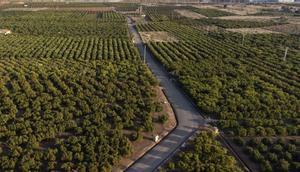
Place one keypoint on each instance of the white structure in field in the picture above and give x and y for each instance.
(156, 138)
(5, 31)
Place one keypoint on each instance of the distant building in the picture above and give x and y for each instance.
(272, 1)
(290, 9)
(286, 1)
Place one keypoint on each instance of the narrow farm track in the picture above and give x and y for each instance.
(187, 115)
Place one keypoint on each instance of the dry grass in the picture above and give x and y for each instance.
(242, 10)
(157, 37)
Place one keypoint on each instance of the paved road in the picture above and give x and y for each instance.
(187, 115)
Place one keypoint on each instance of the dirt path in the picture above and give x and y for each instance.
(253, 167)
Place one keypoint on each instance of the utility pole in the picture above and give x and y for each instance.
(243, 39)
(285, 54)
(145, 53)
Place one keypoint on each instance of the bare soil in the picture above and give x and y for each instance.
(141, 147)
(253, 31)
(288, 28)
(157, 37)
(190, 14)
(3, 2)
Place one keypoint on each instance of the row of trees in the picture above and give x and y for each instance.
(67, 94)
(88, 48)
(208, 12)
(179, 31)
(242, 88)
(272, 154)
(229, 23)
(105, 25)
(167, 13)
(249, 88)
(203, 153)
(162, 13)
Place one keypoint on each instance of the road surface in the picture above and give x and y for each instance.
(187, 115)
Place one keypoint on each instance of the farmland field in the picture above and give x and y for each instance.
(71, 82)
(213, 156)
(54, 111)
(76, 96)
(246, 85)
(103, 24)
(212, 12)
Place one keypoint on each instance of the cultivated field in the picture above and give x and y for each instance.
(75, 94)
(243, 83)
(190, 14)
